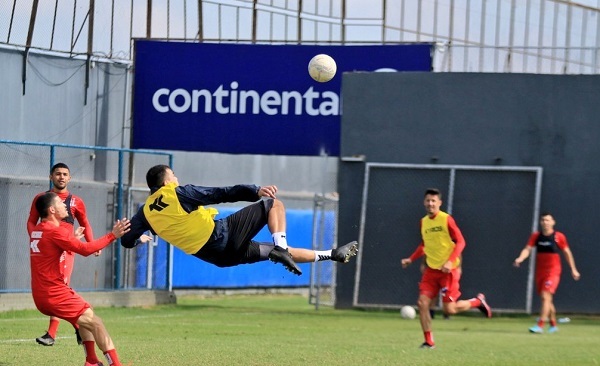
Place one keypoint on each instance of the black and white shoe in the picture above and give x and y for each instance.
(45, 340)
(345, 252)
(426, 345)
(283, 256)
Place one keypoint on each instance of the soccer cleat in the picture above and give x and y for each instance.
(345, 252)
(426, 345)
(93, 364)
(78, 337)
(283, 256)
(553, 329)
(484, 307)
(536, 329)
(45, 340)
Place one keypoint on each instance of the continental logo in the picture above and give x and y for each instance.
(434, 229)
(233, 100)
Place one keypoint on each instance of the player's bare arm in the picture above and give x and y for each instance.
(524, 255)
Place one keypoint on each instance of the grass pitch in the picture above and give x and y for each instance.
(286, 330)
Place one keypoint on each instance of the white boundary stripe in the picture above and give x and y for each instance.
(8, 341)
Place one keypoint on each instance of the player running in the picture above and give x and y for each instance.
(442, 244)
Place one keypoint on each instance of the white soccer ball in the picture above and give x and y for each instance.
(322, 68)
(408, 312)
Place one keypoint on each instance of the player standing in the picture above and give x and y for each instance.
(60, 176)
(442, 244)
(548, 268)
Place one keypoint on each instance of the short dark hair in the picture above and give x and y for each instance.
(546, 213)
(44, 202)
(59, 165)
(433, 192)
(155, 178)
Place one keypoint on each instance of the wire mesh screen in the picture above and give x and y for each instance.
(491, 205)
(24, 172)
(545, 36)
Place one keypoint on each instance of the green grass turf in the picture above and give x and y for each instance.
(286, 330)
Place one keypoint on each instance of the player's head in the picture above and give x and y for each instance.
(158, 176)
(50, 204)
(60, 175)
(433, 192)
(547, 221)
(432, 201)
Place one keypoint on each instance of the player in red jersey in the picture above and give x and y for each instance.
(547, 242)
(51, 295)
(442, 244)
(60, 176)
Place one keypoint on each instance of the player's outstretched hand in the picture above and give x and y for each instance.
(121, 227)
(146, 238)
(406, 262)
(267, 191)
(79, 232)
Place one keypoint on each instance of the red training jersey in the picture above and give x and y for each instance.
(47, 244)
(547, 249)
(452, 230)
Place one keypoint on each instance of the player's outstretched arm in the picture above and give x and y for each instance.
(66, 239)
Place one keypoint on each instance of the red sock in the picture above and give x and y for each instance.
(541, 323)
(475, 302)
(553, 322)
(53, 327)
(90, 351)
(428, 338)
(112, 357)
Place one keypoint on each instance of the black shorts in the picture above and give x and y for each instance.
(231, 241)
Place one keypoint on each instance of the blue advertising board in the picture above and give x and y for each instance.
(249, 99)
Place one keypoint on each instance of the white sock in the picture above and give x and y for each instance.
(322, 255)
(280, 240)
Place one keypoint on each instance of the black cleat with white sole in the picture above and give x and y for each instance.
(283, 256)
(345, 252)
(45, 340)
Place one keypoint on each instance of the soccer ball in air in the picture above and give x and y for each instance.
(408, 312)
(322, 68)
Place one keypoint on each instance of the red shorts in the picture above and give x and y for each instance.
(433, 281)
(67, 260)
(547, 281)
(68, 306)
